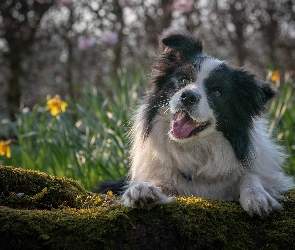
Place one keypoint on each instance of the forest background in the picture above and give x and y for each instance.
(95, 55)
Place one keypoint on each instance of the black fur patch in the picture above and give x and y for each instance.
(240, 98)
(173, 63)
(117, 187)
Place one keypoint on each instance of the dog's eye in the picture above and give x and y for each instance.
(185, 81)
(217, 93)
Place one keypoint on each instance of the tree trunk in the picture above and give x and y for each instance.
(14, 90)
(19, 36)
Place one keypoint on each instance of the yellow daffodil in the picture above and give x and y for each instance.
(55, 106)
(275, 76)
(5, 148)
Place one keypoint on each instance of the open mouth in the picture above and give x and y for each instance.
(184, 126)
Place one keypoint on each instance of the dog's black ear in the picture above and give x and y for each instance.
(267, 92)
(255, 93)
(264, 92)
(185, 44)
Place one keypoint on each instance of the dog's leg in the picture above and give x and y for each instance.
(144, 195)
(254, 198)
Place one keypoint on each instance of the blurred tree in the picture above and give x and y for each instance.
(70, 47)
(158, 16)
(66, 31)
(232, 22)
(261, 33)
(239, 20)
(20, 19)
(86, 41)
(276, 24)
(118, 12)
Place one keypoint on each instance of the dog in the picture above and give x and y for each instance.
(200, 130)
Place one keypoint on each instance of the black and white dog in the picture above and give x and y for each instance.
(199, 131)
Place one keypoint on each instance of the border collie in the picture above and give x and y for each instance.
(199, 131)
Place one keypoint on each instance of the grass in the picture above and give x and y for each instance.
(88, 142)
(282, 117)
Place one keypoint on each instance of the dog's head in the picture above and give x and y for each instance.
(203, 95)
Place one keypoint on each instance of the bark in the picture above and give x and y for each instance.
(239, 40)
(19, 34)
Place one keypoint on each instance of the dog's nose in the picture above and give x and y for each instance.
(189, 97)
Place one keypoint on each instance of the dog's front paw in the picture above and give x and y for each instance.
(144, 195)
(258, 202)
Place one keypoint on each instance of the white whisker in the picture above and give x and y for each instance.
(166, 111)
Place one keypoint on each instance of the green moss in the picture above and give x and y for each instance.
(188, 223)
(60, 191)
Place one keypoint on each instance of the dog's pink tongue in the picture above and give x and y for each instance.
(183, 125)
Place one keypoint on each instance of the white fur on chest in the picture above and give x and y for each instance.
(210, 162)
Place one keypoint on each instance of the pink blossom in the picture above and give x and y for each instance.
(126, 3)
(185, 6)
(67, 3)
(85, 42)
(109, 38)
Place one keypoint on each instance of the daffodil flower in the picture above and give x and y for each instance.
(55, 106)
(275, 76)
(5, 148)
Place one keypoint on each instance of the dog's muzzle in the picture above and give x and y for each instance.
(184, 125)
(189, 98)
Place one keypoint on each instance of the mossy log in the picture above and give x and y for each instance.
(39, 211)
